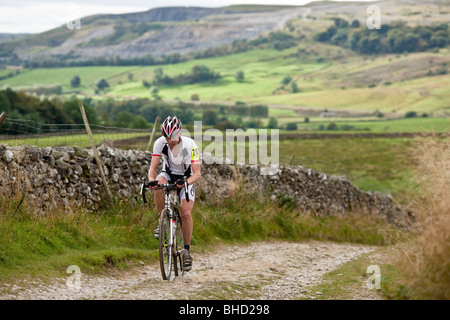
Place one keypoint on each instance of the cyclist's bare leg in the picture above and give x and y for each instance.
(159, 196)
(186, 209)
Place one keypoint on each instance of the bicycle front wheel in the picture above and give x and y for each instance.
(165, 245)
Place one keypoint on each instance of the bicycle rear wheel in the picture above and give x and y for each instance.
(165, 249)
(179, 245)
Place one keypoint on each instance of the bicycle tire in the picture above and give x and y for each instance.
(175, 245)
(179, 245)
(165, 250)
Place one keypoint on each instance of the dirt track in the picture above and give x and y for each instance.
(264, 270)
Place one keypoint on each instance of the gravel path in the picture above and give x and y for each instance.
(262, 270)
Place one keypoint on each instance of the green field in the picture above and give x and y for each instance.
(383, 165)
(372, 164)
(326, 84)
(371, 125)
(65, 139)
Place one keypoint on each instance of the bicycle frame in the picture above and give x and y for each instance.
(170, 249)
(171, 198)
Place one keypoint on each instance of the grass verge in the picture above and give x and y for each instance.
(356, 279)
(44, 246)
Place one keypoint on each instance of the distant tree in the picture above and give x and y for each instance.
(139, 122)
(286, 80)
(353, 39)
(355, 24)
(195, 97)
(411, 114)
(209, 117)
(154, 92)
(146, 84)
(340, 23)
(75, 81)
(392, 38)
(340, 38)
(259, 111)
(73, 111)
(101, 84)
(292, 126)
(149, 112)
(239, 76)
(294, 87)
(272, 124)
(124, 119)
(439, 40)
(186, 115)
(200, 73)
(254, 123)
(224, 124)
(332, 126)
(240, 108)
(322, 36)
(158, 76)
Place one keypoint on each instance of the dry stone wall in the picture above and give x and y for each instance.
(66, 177)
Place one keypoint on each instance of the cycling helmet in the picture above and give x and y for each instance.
(171, 126)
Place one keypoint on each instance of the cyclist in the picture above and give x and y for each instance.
(180, 158)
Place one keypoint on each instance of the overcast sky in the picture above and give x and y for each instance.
(26, 16)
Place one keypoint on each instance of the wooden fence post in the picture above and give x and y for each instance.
(291, 162)
(2, 117)
(150, 141)
(96, 156)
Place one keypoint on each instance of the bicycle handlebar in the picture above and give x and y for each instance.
(164, 186)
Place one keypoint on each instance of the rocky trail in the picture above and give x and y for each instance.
(261, 270)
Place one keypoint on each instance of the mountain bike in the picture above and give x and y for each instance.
(171, 240)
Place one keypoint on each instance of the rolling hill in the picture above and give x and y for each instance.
(160, 31)
(179, 30)
(328, 76)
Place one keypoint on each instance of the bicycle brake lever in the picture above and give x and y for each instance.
(144, 198)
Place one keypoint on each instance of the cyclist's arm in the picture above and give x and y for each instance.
(153, 166)
(196, 173)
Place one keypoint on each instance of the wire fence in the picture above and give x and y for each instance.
(16, 132)
(318, 165)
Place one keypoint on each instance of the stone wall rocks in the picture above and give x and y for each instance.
(64, 176)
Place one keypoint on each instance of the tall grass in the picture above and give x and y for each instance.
(425, 260)
(33, 244)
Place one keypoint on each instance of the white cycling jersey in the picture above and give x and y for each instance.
(177, 161)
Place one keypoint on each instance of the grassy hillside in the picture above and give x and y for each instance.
(323, 84)
(327, 76)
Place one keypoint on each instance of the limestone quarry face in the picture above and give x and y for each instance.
(186, 30)
(55, 177)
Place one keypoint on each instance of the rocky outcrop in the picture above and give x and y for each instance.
(184, 30)
(62, 176)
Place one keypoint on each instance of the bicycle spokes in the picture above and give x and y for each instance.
(165, 246)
